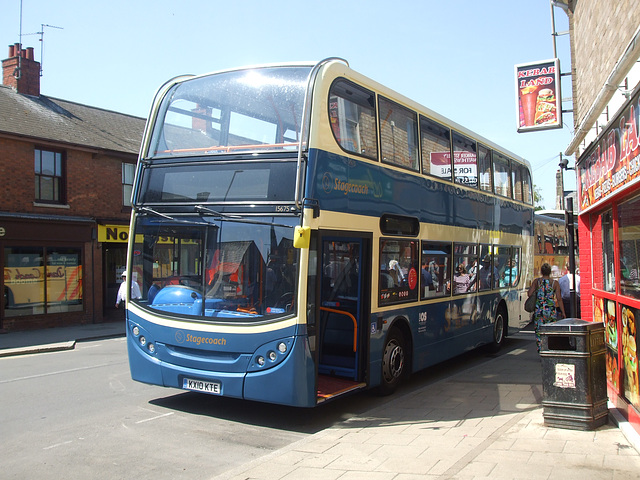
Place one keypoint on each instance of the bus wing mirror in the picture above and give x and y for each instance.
(302, 237)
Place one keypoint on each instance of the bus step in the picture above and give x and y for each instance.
(331, 387)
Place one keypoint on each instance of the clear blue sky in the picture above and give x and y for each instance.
(456, 57)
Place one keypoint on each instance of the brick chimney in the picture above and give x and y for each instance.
(20, 71)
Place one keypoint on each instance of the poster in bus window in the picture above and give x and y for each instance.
(538, 97)
(465, 166)
(629, 345)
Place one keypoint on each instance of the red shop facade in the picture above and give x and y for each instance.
(608, 174)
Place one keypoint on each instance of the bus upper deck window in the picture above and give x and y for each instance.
(353, 118)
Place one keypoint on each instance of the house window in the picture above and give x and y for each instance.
(49, 177)
(128, 171)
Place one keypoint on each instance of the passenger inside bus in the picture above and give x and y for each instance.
(461, 280)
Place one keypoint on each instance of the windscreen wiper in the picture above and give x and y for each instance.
(168, 217)
(236, 218)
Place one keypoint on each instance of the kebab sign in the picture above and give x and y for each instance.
(538, 102)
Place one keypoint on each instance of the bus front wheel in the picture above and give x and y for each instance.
(393, 362)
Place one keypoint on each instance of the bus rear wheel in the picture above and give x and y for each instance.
(394, 362)
(499, 326)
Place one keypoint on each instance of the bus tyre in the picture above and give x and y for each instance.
(499, 326)
(393, 362)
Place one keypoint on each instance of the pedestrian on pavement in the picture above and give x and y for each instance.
(135, 290)
(566, 282)
(548, 296)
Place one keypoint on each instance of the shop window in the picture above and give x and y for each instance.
(128, 172)
(41, 280)
(435, 140)
(629, 246)
(398, 135)
(435, 276)
(49, 177)
(353, 118)
(465, 161)
(596, 251)
(607, 252)
(398, 271)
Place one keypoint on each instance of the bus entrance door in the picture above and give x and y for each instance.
(340, 314)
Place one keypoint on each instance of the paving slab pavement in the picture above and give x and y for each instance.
(486, 422)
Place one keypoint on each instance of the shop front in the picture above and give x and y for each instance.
(113, 239)
(608, 175)
(46, 263)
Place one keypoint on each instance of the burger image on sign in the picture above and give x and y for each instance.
(545, 107)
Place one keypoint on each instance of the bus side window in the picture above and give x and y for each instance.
(399, 277)
(434, 271)
(487, 271)
(353, 119)
(465, 161)
(484, 169)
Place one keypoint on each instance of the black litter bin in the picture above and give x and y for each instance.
(574, 377)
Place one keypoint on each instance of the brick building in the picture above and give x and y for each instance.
(66, 172)
(605, 51)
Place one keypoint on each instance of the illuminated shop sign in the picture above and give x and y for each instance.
(613, 161)
(538, 96)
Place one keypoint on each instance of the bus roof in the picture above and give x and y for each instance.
(340, 67)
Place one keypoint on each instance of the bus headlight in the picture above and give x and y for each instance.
(270, 354)
(143, 339)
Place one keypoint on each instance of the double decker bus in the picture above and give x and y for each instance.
(300, 231)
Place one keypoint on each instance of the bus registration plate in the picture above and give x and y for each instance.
(200, 386)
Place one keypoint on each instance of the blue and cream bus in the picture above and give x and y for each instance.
(300, 231)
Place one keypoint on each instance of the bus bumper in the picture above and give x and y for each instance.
(290, 382)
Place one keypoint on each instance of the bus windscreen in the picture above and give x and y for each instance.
(243, 110)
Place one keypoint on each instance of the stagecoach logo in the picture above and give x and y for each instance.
(329, 184)
(181, 337)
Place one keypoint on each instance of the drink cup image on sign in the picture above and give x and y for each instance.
(528, 97)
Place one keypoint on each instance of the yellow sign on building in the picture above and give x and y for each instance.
(113, 233)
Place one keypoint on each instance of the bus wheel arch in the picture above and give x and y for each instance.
(396, 356)
(7, 297)
(500, 327)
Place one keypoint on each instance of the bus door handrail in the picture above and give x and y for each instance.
(306, 120)
(353, 319)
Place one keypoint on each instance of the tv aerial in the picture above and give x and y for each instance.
(41, 33)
